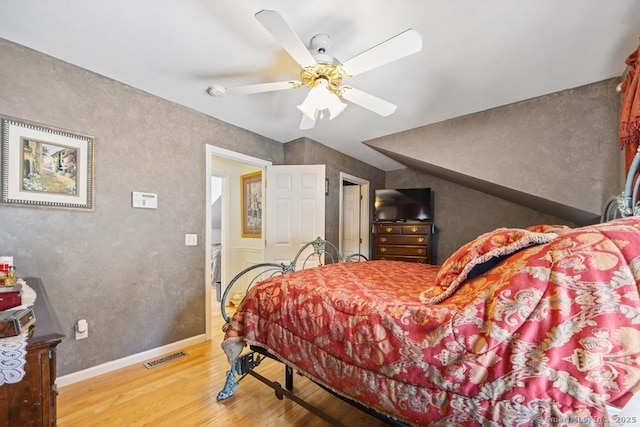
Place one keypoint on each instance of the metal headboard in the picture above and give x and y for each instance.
(324, 252)
(625, 204)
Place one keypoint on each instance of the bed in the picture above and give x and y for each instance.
(537, 326)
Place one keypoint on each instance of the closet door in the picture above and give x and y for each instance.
(351, 227)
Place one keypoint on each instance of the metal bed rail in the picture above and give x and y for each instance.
(323, 252)
(626, 203)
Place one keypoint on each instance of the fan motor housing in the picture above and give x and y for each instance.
(329, 71)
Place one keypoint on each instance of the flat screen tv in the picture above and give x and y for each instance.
(403, 204)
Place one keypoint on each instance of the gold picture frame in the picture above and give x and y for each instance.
(251, 188)
(42, 166)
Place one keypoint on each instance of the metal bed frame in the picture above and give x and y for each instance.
(323, 252)
(625, 204)
(321, 249)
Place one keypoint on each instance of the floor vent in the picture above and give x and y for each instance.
(164, 359)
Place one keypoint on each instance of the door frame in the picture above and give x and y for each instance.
(210, 152)
(364, 211)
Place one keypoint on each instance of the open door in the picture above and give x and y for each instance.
(292, 219)
(295, 209)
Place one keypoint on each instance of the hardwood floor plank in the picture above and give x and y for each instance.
(183, 392)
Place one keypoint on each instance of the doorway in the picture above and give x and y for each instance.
(216, 234)
(227, 166)
(296, 192)
(354, 211)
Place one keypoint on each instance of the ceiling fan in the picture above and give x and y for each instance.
(323, 74)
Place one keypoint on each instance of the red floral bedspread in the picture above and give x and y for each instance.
(548, 336)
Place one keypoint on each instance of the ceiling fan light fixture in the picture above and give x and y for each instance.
(321, 98)
(323, 74)
(336, 107)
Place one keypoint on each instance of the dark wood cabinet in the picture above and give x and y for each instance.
(406, 241)
(32, 401)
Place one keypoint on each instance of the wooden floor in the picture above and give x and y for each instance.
(183, 392)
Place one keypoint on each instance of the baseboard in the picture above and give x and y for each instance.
(104, 368)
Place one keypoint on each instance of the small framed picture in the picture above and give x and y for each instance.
(44, 166)
(252, 204)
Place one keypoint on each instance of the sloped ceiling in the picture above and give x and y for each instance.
(557, 153)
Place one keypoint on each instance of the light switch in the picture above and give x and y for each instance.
(191, 239)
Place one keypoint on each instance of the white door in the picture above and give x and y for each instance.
(360, 246)
(295, 204)
(351, 220)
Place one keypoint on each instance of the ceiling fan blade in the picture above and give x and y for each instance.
(399, 46)
(262, 87)
(307, 122)
(370, 102)
(283, 33)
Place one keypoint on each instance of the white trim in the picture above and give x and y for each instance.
(210, 151)
(243, 249)
(207, 244)
(223, 152)
(108, 367)
(364, 211)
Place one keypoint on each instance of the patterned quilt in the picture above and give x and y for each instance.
(519, 327)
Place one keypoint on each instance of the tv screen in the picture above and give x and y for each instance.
(404, 204)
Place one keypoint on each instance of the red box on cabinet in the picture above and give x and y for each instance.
(10, 300)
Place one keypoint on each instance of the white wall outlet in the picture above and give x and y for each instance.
(82, 329)
(191, 239)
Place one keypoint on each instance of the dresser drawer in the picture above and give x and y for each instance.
(416, 229)
(389, 229)
(402, 250)
(403, 241)
(400, 239)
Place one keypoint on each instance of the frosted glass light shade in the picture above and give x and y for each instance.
(321, 98)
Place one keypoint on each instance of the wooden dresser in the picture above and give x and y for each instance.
(403, 241)
(32, 401)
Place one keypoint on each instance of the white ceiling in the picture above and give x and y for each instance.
(476, 54)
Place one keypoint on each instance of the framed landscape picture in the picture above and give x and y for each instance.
(45, 167)
(251, 185)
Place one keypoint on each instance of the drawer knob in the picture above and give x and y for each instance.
(420, 251)
(420, 239)
(414, 229)
(383, 249)
(383, 239)
(388, 229)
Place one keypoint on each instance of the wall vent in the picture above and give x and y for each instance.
(164, 359)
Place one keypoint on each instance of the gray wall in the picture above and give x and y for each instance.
(561, 148)
(127, 271)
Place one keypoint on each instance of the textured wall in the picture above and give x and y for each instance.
(560, 147)
(127, 271)
(461, 214)
(306, 151)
